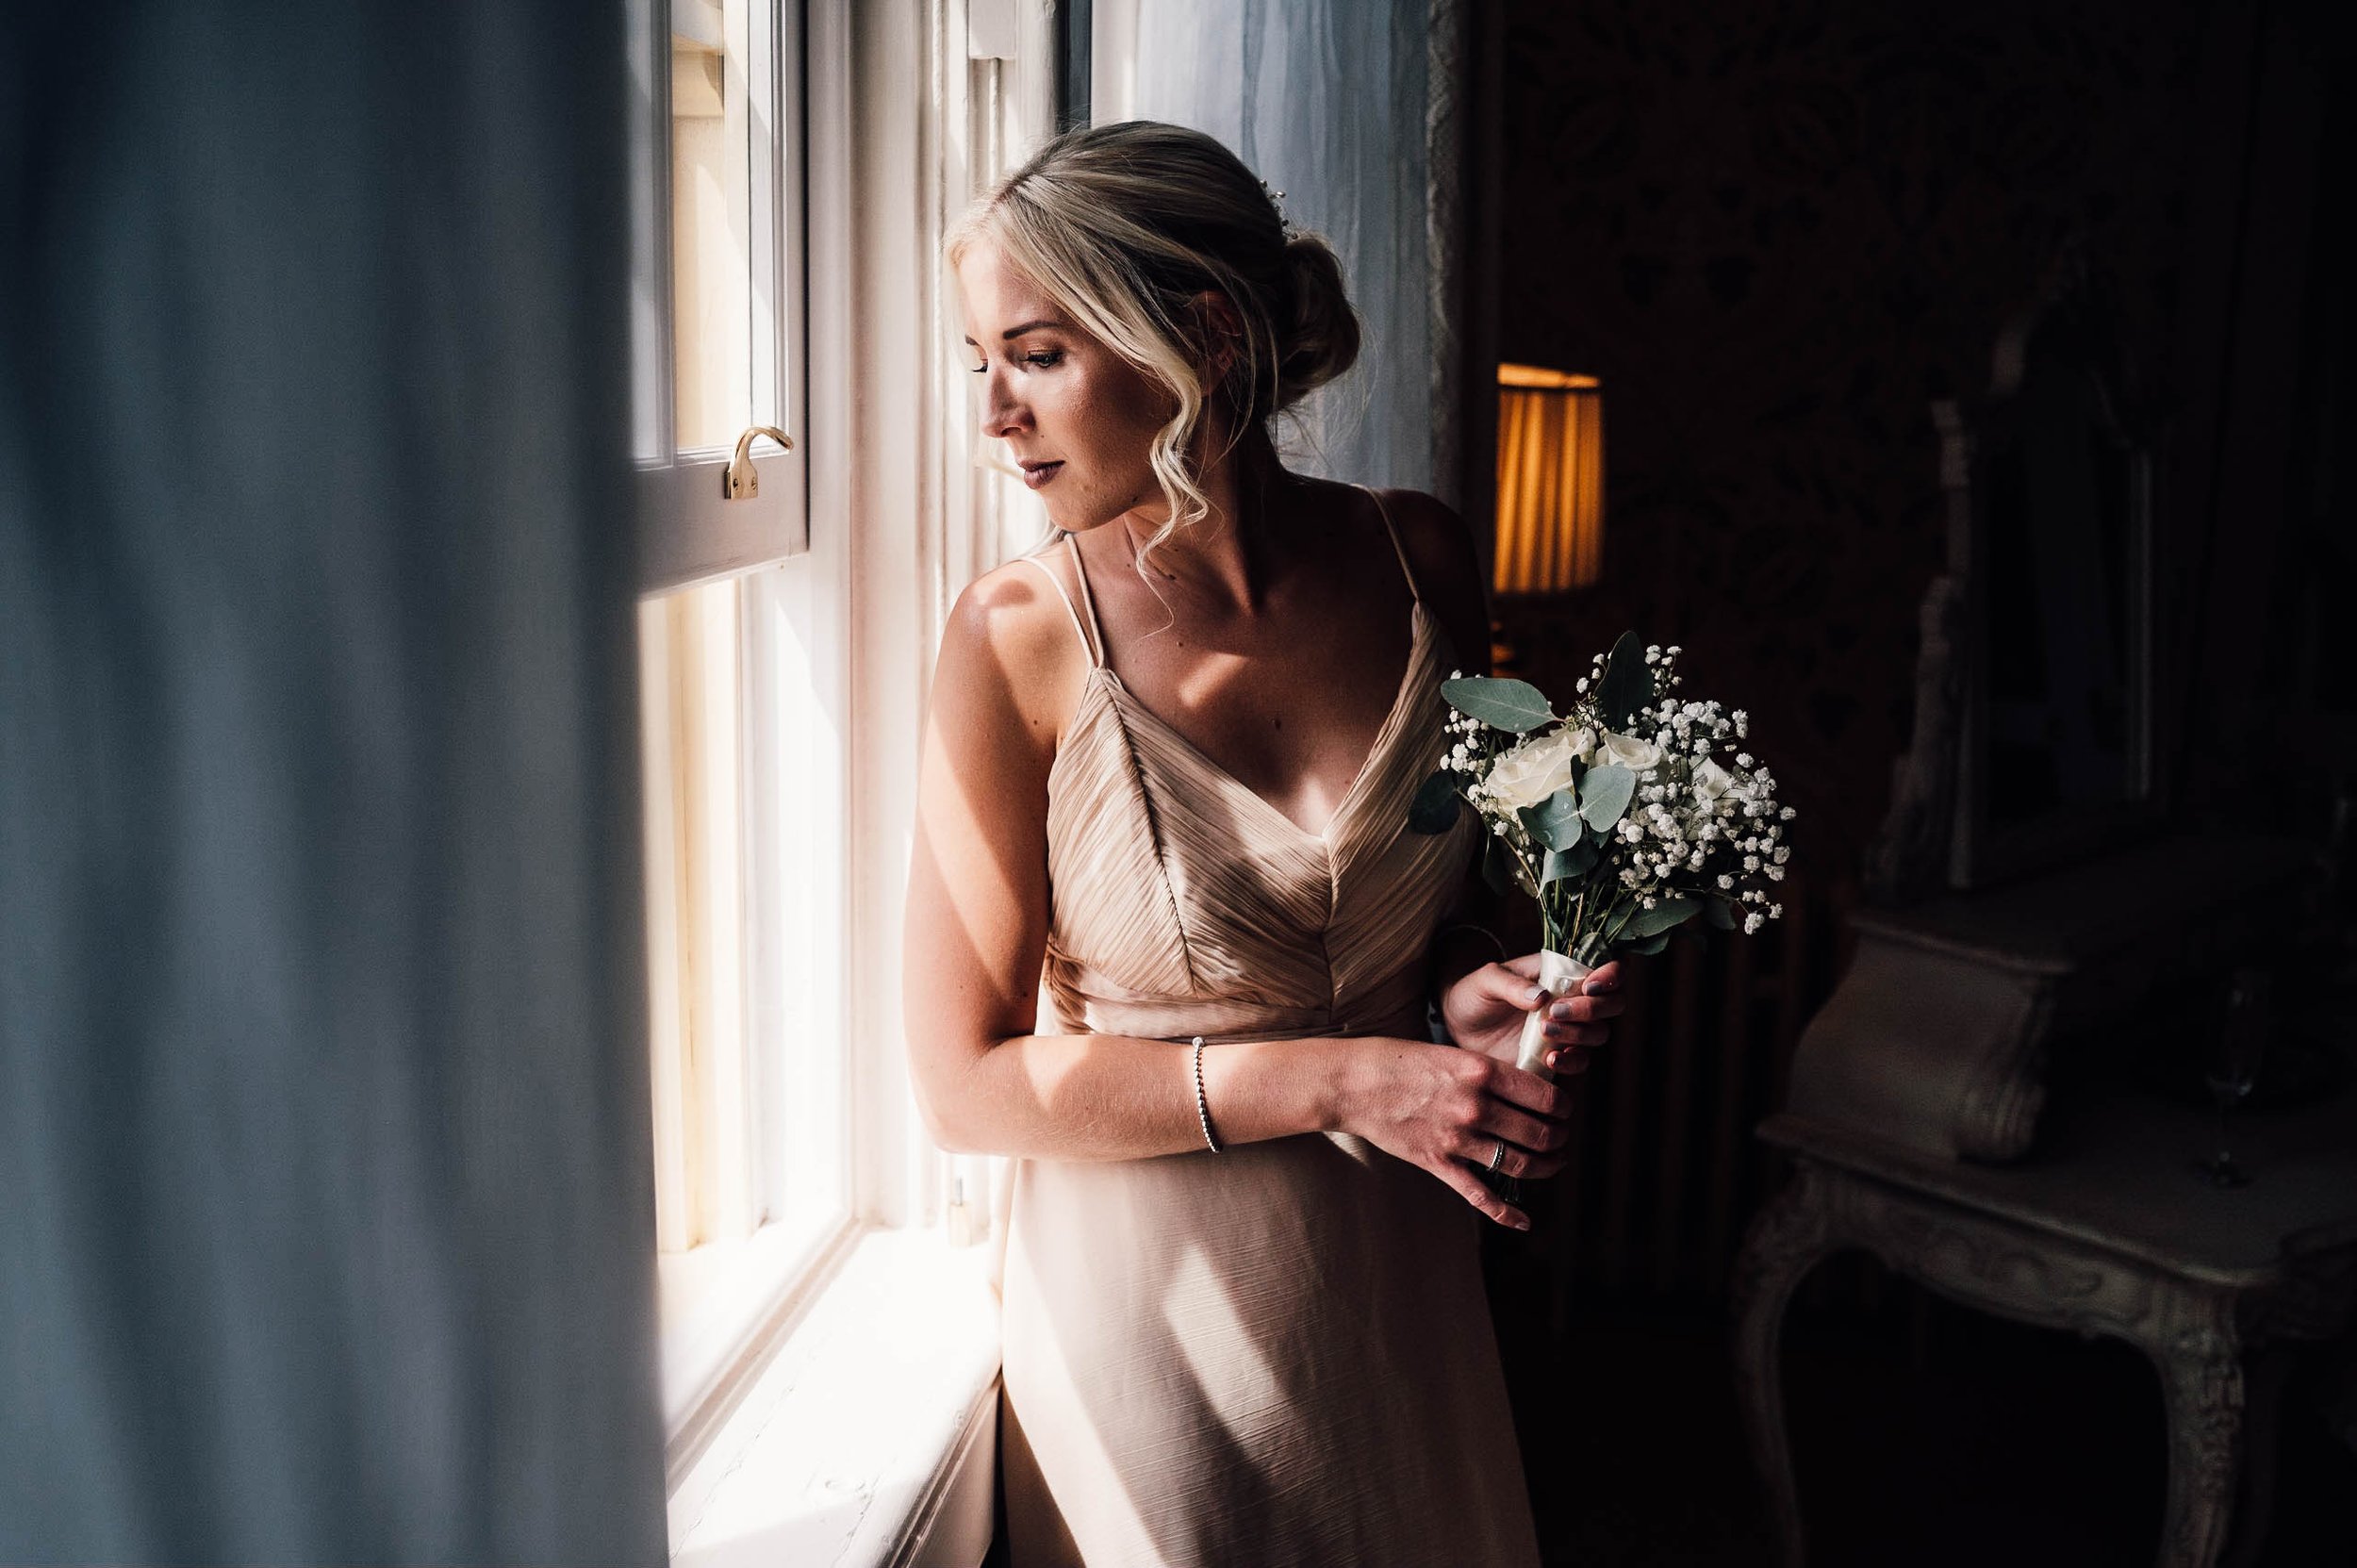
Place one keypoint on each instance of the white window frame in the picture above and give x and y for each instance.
(798, 1376)
(749, 679)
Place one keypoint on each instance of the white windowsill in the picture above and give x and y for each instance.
(725, 1306)
(868, 1439)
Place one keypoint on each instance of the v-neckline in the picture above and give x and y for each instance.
(1419, 626)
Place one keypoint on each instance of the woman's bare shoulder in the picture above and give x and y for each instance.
(1447, 564)
(1009, 649)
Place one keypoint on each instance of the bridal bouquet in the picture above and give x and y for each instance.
(1619, 818)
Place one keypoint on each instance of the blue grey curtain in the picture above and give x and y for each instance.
(1326, 100)
(326, 1226)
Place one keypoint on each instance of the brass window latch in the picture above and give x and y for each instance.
(742, 482)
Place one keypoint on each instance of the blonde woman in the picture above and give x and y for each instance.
(1170, 939)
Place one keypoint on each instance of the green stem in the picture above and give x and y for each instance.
(1581, 931)
(1606, 930)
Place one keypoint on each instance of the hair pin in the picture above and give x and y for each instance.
(1275, 198)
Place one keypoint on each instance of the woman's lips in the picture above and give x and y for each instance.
(1042, 475)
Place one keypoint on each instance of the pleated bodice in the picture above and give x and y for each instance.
(1184, 903)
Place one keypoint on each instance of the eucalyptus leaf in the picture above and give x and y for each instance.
(1604, 794)
(1497, 866)
(1515, 706)
(1718, 914)
(1627, 684)
(1437, 802)
(1670, 912)
(1569, 865)
(1555, 822)
(1651, 944)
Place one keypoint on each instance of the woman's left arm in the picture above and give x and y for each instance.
(1485, 993)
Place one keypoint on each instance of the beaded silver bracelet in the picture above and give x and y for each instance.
(1203, 1106)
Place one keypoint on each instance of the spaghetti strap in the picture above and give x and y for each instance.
(1088, 600)
(1397, 549)
(1050, 574)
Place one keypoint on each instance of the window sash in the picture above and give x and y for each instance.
(689, 531)
(744, 880)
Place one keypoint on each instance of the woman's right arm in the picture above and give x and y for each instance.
(1010, 667)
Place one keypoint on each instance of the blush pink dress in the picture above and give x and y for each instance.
(1278, 1354)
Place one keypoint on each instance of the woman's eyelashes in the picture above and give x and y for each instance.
(1040, 359)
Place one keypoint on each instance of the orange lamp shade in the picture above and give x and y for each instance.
(1550, 479)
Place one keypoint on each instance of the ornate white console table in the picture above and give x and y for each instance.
(2104, 1231)
(1918, 1125)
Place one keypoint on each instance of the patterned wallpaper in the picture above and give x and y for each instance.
(1775, 230)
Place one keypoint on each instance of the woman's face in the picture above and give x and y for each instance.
(1076, 416)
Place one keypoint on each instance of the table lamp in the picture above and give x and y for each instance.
(1550, 535)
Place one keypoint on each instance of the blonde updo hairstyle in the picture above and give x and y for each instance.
(1123, 225)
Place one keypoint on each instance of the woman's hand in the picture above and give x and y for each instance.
(1484, 1010)
(1449, 1111)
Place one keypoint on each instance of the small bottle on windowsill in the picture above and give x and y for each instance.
(959, 1221)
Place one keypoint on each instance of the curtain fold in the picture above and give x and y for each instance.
(325, 1211)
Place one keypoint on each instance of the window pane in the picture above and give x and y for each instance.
(711, 224)
(707, 1176)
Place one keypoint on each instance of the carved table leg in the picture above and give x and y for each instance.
(1783, 1239)
(2254, 1503)
(2202, 1392)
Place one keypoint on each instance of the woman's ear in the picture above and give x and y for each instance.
(1219, 330)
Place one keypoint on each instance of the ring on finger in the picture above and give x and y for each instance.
(1497, 1156)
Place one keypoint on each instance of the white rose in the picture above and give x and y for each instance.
(1711, 781)
(1628, 752)
(1537, 767)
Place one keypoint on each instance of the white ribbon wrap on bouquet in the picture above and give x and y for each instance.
(1560, 974)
